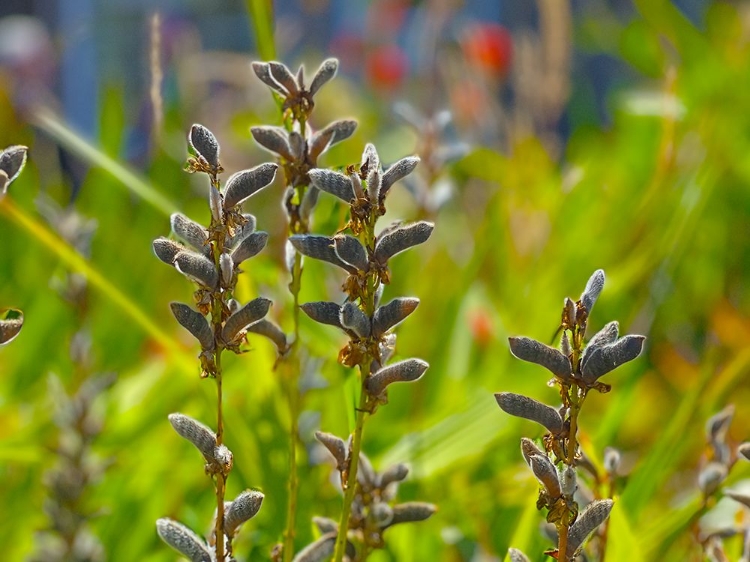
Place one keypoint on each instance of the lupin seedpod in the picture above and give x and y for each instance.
(411, 512)
(533, 351)
(366, 475)
(352, 318)
(396, 172)
(245, 316)
(546, 473)
(250, 246)
(373, 184)
(607, 335)
(403, 371)
(515, 555)
(166, 249)
(242, 231)
(333, 133)
(336, 446)
(11, 322)
(319, 248)
(197, 267)
(271, 331)
(381, 514)
(332, 182)
(592, 291)
(323, 312)
(529, 449)
(183, 540)
(283, 76)
(594, 515)
(246, 183)
(191, 233)
(325, 72)
(603, 359)
(401, 238)
(325, 524)
(204, 144)
(263, 71)
(12, 161)
(395, 473)
(198, 434)
(391, 314)
(243, 508)
(351, 251)
(274, 139)
(528, 408)
(321, 549)
(195, 323)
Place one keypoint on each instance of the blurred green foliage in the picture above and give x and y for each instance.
(660, 200)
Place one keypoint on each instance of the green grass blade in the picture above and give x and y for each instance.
(261, 18)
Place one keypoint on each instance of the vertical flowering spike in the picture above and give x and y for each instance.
(243, 508)
(204, 144)
(325, 73)
(336, 446)
(403, 371)
(594, 515)
(195, 323)
(11, 322)
(530, 409)
(352, 318)
(197, 267)
(246, 183)
(592, 291)
(391, 314)
(249, 247)
(183, 540)
(247, 315)
(396, 172)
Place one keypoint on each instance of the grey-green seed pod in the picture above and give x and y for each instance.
(271, 331)
(198, 434)
(191, 233)
(592, 291)
(395, 473)
(321, 549)
(204, 144)
(323, 312)
(370, 157)
(605, 336)
(568, 481)
(11, 322)
(283, 76)
(325, 72)
(530, 409)
(336, 446)
(240, 320)
(515, 555)
(226, 265)
(402, 238)
(273, 139)
(352, 318)
(332, 182)
(594, 515)
(381, 514)
(359, 192)
(391, 314)
(243, 508)
(308, 202)
(546, 473)
(242, 185)
(195, 323)
(569, 313)
(718, 424)
(533, 351)
(197, 267)
(325, 525)
(223, 458)
(319, 248)
(366, 475)
(744, 450)
(183, 540)
(396, 172)
(215, 202)
(12, 161)
(403, 371)
(373, 185)
(411, 512)
(297, 144)
(529, 449)
(242, 232)
(612, 459)
(603, 359)
(166, 249)
(351, 251)
(330, 135)
(263, 71)
(565, 345)
(711, 477)
(249, 247)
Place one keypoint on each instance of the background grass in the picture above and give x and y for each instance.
(658, 197)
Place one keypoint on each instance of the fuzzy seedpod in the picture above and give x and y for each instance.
(373, 184)
(718, 424)
(330, 135)
(166, 249)
(592, 291)
(250, 246)
(370, 158)
(546, 473)
(204, 144)
(197, 268)
(530, 409)
(529, 449)
(263, 71)
(244, 507)
(215, 202)
(612, 459)
(366, 475)
(11, 322)
(244, 317)
(738, 496)
(325, 73)
(569, 313)
(336, 446)
(396, 172)
(183, 540)
(319, 248)
(323, 312)
(325, 525)
(744, 450)
(191, 233)
(533, 351)
(321, 549)
(711, 477)
(396, 473)
(568, 481)
(241, 231)
(359, 192)
(283, 76)
(400, 238)
(335, 183)
(274, 139)
(198, 434)
(308, 202)
(381, 514)
(226, 266)
(271, 331)
(12, 161)
(391, 314)
(246, 183)
(404, 371)
(607, 335)
(411, 512)
(352, 318)
(351, 251)
(594, 515)
(195, 323)
(515, 555)
(603, 359)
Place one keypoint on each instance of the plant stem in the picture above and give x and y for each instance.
(220, 476)
(351, 480)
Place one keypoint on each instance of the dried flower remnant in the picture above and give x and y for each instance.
(577, 369)
(210, 256)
